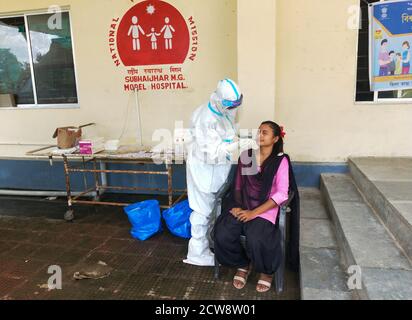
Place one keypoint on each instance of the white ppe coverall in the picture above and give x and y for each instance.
(208, 164)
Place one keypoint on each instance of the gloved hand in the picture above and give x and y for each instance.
(246, 144)
(232, 147)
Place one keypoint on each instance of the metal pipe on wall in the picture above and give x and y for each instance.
(32, 193)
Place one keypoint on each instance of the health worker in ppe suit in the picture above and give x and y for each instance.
(214, 139)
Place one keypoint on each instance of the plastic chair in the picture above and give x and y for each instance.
(284, 209)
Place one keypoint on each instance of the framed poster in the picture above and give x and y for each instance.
(390, 45)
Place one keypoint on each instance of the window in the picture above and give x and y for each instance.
(36, 60)
(363, 93)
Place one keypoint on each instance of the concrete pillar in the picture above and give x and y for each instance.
(257, 60)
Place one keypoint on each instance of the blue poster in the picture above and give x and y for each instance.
(390, 44)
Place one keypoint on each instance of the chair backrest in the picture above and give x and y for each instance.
(224, 189)
(229, 181)
(290, 198)
(283, 210)
(220, 195)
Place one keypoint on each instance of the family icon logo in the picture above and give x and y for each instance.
(153, 33)
(153, 40)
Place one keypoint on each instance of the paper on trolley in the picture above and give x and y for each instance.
(58, 151)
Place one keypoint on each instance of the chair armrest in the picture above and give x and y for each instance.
(288, 201)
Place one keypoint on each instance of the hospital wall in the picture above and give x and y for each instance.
(315, 87)
(296, 62)
(256, 60)
(101, 94)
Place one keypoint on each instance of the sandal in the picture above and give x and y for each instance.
(263, 285)
(241, 279)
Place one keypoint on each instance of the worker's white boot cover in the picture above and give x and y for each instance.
(199, 253)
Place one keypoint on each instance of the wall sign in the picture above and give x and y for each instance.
(390, 45)
(153, 40)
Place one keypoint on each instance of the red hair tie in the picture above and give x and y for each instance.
(282, 132)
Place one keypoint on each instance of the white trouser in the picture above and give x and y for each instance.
(199, 248)
(199, 253)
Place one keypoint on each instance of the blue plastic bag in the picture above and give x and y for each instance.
(177, 219)
(145, 219)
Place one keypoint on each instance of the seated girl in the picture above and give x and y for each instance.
(261, 185)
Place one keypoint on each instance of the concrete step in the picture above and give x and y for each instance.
(321, 277)
(387, 186)
(386, 272)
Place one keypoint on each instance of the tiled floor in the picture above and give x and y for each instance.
(33, 237)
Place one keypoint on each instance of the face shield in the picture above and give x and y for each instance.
(229, 104)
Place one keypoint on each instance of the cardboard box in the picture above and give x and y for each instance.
(7, 101)
(67, 137)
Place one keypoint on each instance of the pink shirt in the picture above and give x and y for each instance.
(279, 192)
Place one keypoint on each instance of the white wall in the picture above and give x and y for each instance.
(315, 88)
(256, 58)
(295, 62)
(100, 83)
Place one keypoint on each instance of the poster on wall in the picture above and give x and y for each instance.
(390, 45)
(152, 41)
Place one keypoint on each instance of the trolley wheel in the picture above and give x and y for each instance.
(69, 215)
